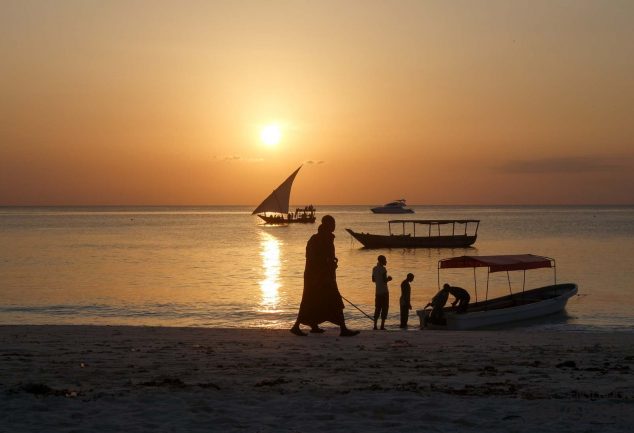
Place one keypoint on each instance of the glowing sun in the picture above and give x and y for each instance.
(271, 135)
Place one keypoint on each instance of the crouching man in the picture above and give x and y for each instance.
(461, 303)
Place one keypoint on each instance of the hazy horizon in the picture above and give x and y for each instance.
(317, 205)
(215, 103)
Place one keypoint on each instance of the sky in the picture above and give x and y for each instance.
(439, 102)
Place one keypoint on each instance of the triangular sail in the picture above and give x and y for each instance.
(279, 198)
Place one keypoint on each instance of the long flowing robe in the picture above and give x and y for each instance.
(321, 300)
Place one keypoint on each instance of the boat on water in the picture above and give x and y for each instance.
(396, 206)
(524, 305)
(274, 208)
(428, 235)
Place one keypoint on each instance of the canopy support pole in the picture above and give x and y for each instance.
(555, 272)
(486, 298)
(438, 275)
(508, 278)
(475, 284)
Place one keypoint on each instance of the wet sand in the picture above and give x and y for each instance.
(102, 378)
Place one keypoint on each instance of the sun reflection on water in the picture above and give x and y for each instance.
(271, 263)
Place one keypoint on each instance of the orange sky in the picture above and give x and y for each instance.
(460, 102)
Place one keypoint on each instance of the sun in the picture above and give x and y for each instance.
(271, 135)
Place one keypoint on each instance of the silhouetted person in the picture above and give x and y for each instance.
(461, 303)
(382, 294)
(321, 300)
(405, 302)
(437, 303)
(440, 299)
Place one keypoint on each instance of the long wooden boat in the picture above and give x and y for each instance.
(524, 305)
(274, 208)
(428, 235)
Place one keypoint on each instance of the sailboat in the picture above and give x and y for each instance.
(274, 208)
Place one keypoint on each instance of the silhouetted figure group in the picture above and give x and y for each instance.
(322, 302)
(306, 213)
(382, 294)
(438, 302)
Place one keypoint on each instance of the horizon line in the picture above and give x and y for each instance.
(323, 204)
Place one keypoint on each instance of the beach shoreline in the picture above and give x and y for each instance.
(115, 378)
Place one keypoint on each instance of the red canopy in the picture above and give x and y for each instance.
(498, 263)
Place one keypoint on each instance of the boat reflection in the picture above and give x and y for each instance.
(271, 263)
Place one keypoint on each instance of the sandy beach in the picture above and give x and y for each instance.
(92, 378)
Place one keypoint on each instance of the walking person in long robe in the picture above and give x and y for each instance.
(321, 300)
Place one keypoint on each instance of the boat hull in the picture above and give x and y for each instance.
(407, 241)
(275, 219)
(390, 211)
(531, 304)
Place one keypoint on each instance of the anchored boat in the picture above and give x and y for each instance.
(454, 234)
(527, 304)
(274, 208)
(396, 206)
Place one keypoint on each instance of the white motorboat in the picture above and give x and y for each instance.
(396, 206)
(527, 304)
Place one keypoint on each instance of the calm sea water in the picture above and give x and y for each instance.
(219, 267)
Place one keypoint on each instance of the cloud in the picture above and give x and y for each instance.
(572, 164)
(236, 158)
(310, 161)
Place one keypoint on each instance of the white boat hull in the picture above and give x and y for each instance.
(497, 316)
(391, 210)
(397, 206)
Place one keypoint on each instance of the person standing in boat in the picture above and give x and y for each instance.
(405, 301)
(382, 294)
(321, 300)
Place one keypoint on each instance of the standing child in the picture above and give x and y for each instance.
(382, 295)
(406, 291)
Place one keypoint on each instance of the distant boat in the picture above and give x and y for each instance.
(527, 304)
(274, 208)
(429, 234)
(396, 206)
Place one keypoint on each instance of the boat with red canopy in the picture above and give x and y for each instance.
(527, 304)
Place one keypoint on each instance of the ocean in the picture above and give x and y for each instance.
(218, 266)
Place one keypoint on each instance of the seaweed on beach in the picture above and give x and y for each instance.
(170, 382)
(273, 382)
(41, 389)
(485, 389)
(567, 364)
